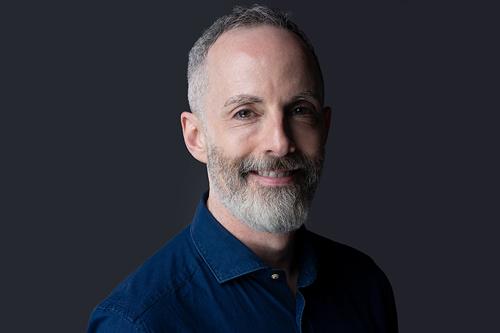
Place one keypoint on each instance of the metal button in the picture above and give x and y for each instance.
(275, 276)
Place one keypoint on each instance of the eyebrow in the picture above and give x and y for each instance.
(249, 99)
(307, 94)
(242, 99)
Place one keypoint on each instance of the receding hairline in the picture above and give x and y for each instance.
(297, 40)
(242, 17)
(242, 29)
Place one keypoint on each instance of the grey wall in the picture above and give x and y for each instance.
(98, 177)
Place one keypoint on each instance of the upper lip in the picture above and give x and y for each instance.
(274, 172)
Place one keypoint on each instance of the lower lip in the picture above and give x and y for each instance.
(271, 181)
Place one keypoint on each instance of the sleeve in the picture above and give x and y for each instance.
(104, 321)
(384, 305)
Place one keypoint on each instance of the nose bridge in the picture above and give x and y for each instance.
(277, 136)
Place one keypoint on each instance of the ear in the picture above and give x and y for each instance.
(327, 118)
(194, 136)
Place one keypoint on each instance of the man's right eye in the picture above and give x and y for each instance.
(243, 114)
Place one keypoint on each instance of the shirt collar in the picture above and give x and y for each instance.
(228, 258)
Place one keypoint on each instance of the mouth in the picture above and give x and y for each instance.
(273, 173)
(273, 177)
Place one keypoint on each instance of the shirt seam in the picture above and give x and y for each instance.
(138, 324)
(138, 318)
(168, 291)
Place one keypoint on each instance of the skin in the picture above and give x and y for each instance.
(263, 98)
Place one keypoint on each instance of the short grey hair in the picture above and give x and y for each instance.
(252, 16)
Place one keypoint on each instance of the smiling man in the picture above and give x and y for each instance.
(246, 263)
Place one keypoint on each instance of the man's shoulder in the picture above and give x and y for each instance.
(339, 258)
(161, 276)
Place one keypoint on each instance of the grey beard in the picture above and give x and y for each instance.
(277, 209)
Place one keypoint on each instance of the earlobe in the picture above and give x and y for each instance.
(194, 136)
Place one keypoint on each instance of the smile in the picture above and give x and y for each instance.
(272, 177)
(274, 173)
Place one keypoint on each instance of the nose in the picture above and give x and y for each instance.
(277, 139)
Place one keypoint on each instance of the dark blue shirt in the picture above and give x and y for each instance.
(206, 280)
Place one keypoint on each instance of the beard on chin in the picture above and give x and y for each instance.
(274, 209)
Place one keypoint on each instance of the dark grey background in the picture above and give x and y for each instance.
(97, 177)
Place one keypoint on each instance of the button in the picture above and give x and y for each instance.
(275, 276)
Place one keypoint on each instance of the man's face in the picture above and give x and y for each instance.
(265, 127)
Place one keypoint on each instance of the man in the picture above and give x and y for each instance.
(246, 263)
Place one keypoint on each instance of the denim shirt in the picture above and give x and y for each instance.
(206, 280)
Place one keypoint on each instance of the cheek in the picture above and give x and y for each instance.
(307, 138)
(235, 142)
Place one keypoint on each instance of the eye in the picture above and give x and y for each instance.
(244, 114)
(301, 111)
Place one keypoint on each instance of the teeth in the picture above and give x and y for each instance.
(274, 174)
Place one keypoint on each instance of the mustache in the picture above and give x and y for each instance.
(291, 162)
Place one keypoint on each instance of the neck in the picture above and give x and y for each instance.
(276, 250)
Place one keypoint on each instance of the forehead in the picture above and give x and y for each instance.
(266, 57)
(255, 40)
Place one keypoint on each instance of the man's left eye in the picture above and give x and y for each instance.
(301, 111)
